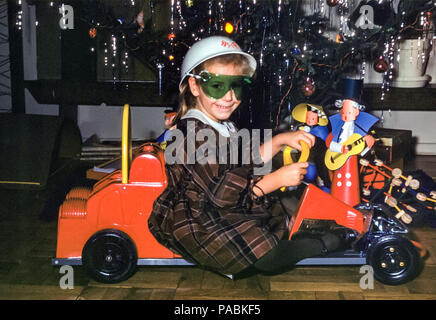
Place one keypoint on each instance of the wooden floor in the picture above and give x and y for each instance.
(28, 243)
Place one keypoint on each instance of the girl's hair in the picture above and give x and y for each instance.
(187, 100)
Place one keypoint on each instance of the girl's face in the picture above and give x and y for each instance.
(216, 109)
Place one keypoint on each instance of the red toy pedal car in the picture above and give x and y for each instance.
(105, 228)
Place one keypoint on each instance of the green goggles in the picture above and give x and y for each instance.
(217, 85)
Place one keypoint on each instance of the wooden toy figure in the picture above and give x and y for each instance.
(314, 120)
(348, 139)
(169, 117)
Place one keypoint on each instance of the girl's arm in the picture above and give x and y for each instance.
(270, 148)
(290, 175)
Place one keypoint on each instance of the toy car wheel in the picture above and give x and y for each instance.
(110, 256)
(394, 260)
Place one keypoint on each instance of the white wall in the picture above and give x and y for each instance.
(33, 107)
(106, 121)
(422, 124)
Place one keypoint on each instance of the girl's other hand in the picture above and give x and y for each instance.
(293, 139)
(292, 175)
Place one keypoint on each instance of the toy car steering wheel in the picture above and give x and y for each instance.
(287, 159)
(126, 145)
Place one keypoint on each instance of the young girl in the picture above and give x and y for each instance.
(213, 213)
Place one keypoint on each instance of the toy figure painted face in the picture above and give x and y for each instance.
(349, 112)
(217, 109)
(311, 118)
(169, 119)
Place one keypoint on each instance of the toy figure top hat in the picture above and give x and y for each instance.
(351, 90)
(299, 113)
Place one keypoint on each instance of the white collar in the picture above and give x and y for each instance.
(348, 124)
(347, 130)
(224, 128)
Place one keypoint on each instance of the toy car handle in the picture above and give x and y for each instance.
(287, 159)
(126, 145)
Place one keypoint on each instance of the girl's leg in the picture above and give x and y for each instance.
(288, 252)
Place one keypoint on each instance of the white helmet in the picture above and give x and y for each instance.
(208, 48)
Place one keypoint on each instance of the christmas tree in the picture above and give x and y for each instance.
(303, 48)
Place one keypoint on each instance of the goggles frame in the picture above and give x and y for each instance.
(216, 85)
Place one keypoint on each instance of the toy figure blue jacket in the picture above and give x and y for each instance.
(316, 159)
(362, 124)
(164, 136)
(318, 131)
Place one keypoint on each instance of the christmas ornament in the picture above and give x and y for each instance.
(381, 65)
(140, 21)
(229, 27)
(189, 3)
(339, 38)
(92, 32)
(308, 88)
(332, 3)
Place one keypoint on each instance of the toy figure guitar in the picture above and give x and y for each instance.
(335, 160)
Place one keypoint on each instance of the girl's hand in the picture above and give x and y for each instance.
(293, 139)
(292, 175)
(270, 148)
(287, 176)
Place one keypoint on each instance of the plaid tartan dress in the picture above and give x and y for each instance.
(207, 215)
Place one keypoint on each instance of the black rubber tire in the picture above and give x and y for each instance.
(394, 260)
(110, 256)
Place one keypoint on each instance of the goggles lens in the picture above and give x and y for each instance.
(217, 85)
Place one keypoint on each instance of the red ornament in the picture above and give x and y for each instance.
(428, 21)
(92, 32)
(381, 65)
(171, 36)
(332, 3)
(309, 87)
